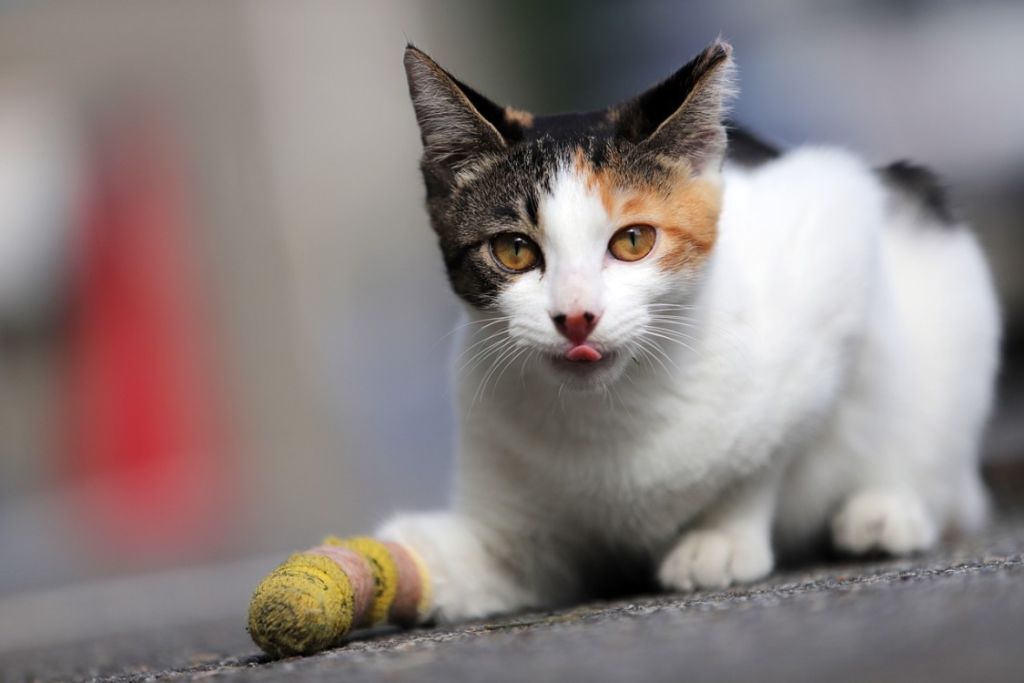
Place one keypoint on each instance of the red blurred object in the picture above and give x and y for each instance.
(144, 425)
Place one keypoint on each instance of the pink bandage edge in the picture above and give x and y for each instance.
(359, 574)
(406, 606)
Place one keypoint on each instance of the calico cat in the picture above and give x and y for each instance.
(688, 352)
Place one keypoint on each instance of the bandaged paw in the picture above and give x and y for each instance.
(315, 598)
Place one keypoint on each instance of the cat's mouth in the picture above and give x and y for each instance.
(583, 358)
(583, 353)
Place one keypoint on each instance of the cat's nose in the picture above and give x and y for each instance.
(576, 327)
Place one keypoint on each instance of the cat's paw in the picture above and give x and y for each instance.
(709, 558)
(466, 580)
(893, 523)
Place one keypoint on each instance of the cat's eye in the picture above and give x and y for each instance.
(515, 252)
(632, 243)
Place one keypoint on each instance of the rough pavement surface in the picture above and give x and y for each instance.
(954, 615)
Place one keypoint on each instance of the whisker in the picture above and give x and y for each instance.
(673, 319)
(481, 341)
(485, 322)
(651, 334)
(652, 359)
(510, 348)
(509, 363)
(625, 408)
(478, 343)
(671, 339)
(494, 339)
(661, 351)
(649, 347)
(478, 358)
(522, 366)
(492, 335)
(677, 333)
(678, 324)
(669, 307)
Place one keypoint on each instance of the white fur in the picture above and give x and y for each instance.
(832, 373)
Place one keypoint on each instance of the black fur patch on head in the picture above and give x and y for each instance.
(569, 127)
(496, 195)
(682, 115)
(454, 124)
(485, 166)
(922, 186)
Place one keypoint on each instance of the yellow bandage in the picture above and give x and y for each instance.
(303, 606)
(315, 598)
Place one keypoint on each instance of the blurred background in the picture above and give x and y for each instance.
(223, 317)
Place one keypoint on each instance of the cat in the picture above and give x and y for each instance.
(687, 352)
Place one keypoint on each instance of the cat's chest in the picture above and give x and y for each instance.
(627, 468)
(634, 481)
(634, 493)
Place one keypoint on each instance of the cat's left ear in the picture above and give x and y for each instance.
(682, 117)
(457, 124)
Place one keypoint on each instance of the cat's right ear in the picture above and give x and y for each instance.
(682, 116)
(455, 121)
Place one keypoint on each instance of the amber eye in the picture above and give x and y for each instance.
(632, 243)
(515, 252)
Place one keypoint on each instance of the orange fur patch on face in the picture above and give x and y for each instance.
(519, 117)
(685, 212)
(598, 181)
(686, 216)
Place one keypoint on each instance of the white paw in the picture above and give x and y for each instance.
(894, 523)
(467, 581)
(716, 559)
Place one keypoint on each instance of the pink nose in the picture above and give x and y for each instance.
(576, 327)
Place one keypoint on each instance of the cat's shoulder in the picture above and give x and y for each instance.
(903, 182)
(803, 183)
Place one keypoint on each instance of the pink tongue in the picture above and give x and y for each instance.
(587, 354)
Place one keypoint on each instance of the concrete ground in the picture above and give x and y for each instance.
(954, 615)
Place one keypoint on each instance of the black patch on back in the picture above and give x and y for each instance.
(919, 184)
(747, 149)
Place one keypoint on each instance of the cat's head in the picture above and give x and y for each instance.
(586, 234)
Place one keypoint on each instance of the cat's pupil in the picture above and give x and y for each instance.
(632, 236)
(517, 245)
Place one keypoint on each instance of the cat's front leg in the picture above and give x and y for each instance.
(468, 580)
(730, 543)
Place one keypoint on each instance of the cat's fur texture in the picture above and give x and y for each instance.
(808, 352)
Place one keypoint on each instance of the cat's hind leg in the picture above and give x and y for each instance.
(897, 464)
(892, 522)
(881, 477)
(866, 489)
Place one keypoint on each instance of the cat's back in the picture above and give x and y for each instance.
(800, 232)
(811, 202)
